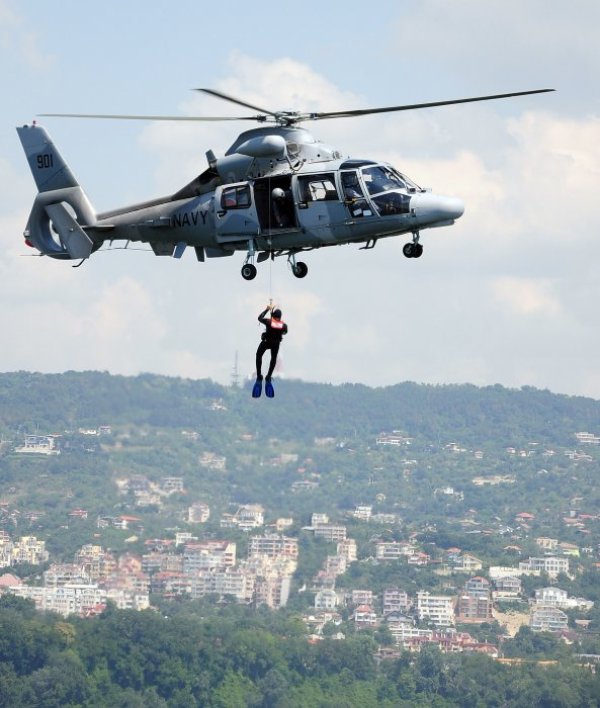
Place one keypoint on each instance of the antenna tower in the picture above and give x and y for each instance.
(235, 375)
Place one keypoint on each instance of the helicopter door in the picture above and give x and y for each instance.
(235, 213)
(354, 195)
(320, 210)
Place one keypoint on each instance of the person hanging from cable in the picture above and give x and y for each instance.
(270, 340)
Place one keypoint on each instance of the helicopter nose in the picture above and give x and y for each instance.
(437, 208)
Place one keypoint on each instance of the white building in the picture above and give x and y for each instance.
(28, 549)
(207, 555)
(555, 597)
(73, 598)
(392, 550)
(326, 600)
(198, 513)
(552, 565)
(274, 546)
(250, 516)
(437, 609)
(547, 619)
(39, 445)
(362, 512)
(330, 532)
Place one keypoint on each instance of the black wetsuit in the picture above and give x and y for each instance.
(270, 339)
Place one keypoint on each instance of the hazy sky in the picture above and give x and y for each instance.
(510, 294)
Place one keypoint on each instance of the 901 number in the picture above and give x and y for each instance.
(45, 161)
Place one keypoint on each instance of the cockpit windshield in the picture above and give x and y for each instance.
(382, 179)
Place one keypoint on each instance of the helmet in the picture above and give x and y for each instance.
(278, 193)
(277, 314)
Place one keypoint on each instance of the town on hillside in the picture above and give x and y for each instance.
(463, 576)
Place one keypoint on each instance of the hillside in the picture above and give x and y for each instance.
(425, 485)
(31, 402)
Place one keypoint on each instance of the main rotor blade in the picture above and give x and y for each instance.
(225, 97)
(123, 117)
(368, 111)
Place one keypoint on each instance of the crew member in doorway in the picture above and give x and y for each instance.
(280, 204)
(270, 340)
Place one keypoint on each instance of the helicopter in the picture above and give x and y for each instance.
(277, 191)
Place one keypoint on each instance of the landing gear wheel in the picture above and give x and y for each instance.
(300, 269)
(417, 250)
(248, 271)
(408, 250)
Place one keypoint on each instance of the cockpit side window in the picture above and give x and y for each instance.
(236, 197)
(381, 179)
(317, 188)
(392, 203)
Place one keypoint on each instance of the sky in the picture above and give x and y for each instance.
(508, 295)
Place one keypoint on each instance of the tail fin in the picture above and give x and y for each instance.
(61, 206)
(47, 166)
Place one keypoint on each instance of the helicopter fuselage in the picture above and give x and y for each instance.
(324, 204)
(277, 191)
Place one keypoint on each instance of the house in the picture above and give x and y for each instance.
(467, 563)
(39, 445)
(326, 599)
(555, 597)
(364, 617)
(250, 516)
(172, 485)
(548, 544)
(551, 565)
(507, 588)
(419, 558)
(392, 550)
(7, 581)
(212, 461)
(395, 438)
(198, 513)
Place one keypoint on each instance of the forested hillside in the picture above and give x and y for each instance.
(236, 658)
(31, 401)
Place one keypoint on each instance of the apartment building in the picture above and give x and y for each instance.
(437, 609)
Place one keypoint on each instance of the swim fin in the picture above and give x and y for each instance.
(269, 390)
(257, 388)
